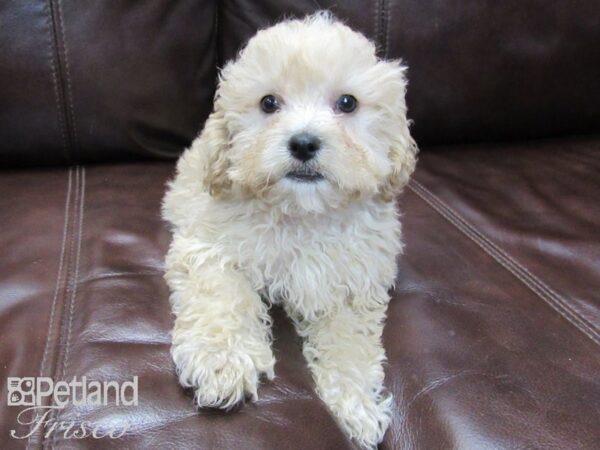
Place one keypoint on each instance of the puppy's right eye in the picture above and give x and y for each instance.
(269, 104)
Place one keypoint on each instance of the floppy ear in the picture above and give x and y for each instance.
(210, 152)
(403, 154)
(403, 148)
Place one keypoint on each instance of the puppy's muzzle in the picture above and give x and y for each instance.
(304, 146)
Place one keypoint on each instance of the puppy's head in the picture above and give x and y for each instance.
(308, 117)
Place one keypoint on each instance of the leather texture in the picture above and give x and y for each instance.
(493, 332)
(84, 82)
(491, 335)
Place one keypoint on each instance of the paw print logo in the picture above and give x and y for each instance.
(21, 391)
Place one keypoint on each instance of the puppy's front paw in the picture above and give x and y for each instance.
(224, 378)
(364, 419)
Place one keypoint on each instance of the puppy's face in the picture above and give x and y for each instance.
(312, 118)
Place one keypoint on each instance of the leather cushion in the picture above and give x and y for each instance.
(481, 353)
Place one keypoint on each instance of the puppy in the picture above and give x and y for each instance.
(287, 197)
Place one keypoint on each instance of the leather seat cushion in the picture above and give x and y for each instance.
(492, 335)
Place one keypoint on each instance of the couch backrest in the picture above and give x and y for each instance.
(92, 81)
(84, 81)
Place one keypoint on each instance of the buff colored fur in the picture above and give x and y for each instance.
(245, 236)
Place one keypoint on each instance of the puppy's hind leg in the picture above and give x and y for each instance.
(221, 341)
(345, 354)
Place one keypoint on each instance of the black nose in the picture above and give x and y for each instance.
(304, 146)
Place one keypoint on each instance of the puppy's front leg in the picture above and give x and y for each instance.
(221, 339)
(345, 354)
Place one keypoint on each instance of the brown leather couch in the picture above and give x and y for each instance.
(494, 327)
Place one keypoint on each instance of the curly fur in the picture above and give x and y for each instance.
(246, 236)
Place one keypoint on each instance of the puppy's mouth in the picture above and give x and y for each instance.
(305, 175)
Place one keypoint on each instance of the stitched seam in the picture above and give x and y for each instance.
(523, 274)
(514, 267)
(76, 275)
(380, 26)
(73, 290)
(376, 23)
(53, 65)
(67, 76)
(383, 28)
(68, 269)
(539, 285)
(388, 22)
(69, 258)
(56, 288)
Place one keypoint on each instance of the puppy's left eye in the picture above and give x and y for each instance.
(346, 103)
(269, 104)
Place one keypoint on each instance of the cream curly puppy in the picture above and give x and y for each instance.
(287, 197)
